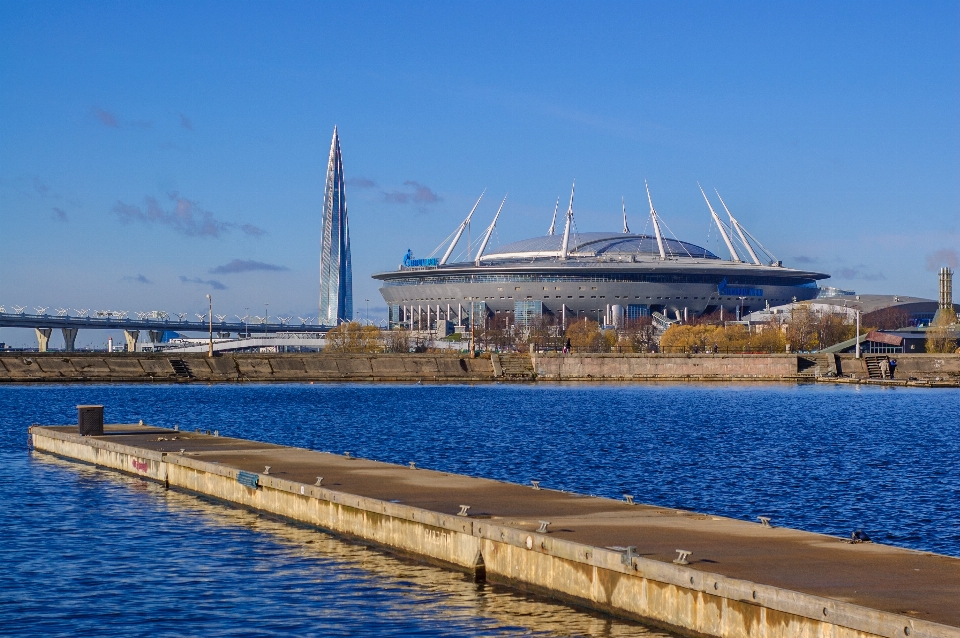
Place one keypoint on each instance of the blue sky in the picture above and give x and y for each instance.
(151, 153)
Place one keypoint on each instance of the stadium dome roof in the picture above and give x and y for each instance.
(595, 245)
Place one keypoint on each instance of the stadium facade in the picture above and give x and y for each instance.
(610, 277)
(336, 272)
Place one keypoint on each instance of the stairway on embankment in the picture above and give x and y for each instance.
(517, 366)
(818, 365)
(873, 366)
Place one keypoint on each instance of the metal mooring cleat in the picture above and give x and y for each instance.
(682, 558)
(319, 480)
(536, 484)
(413, 465)
(543, 527)
(764, 521)
(631, 553)
(463, 510)
(629, 498)
(266, 469)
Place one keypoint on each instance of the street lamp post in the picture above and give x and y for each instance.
(210, 301)
(858, 326)
(246, 321)
(368, 310)
(266, 317)
(473, 351)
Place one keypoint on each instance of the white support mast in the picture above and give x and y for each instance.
(736, 225)
(623, 203)
(463, 225)
(656, 223)
(490, 228)
(565, 246)
(553, 222)
(723, 231)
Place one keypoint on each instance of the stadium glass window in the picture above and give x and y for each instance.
(526, 311)
(635, 311)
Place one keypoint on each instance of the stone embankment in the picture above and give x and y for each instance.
(239, 368)
(728, 579)
(913, 369)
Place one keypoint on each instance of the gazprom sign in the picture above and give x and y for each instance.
(410, 262)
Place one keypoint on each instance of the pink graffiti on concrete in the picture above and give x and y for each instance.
(140, 466)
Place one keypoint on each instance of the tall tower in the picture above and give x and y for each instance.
(336, 273)
(946, 288)
(945, 313)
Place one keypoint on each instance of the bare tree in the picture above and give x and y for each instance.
(397, 341)
(351, 337)
(942, 334)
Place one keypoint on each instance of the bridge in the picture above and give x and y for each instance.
(155, 322)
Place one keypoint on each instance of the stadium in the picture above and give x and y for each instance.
(610, 277)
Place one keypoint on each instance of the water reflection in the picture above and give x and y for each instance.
(283, 577)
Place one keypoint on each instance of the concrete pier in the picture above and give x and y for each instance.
(742, 579)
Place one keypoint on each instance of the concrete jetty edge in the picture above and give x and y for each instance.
(677, 598)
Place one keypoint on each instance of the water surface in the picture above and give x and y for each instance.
(91, 551)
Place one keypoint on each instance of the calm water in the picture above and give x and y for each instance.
(85, 551)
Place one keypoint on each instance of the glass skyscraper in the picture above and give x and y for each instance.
(336, 273)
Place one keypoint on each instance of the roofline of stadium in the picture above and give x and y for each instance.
(703, 266)
(569, 257)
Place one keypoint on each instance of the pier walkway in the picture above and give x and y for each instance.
(743, 578)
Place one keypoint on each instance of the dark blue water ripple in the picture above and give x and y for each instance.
(85, 551)
(88, 552)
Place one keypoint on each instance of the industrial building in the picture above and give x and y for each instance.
(609, 277)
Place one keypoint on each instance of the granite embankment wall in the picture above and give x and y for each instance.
(664, 366)
(239, 368)
(705, 367)
(142, 367)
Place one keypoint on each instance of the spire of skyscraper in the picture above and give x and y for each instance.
(336, 273)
